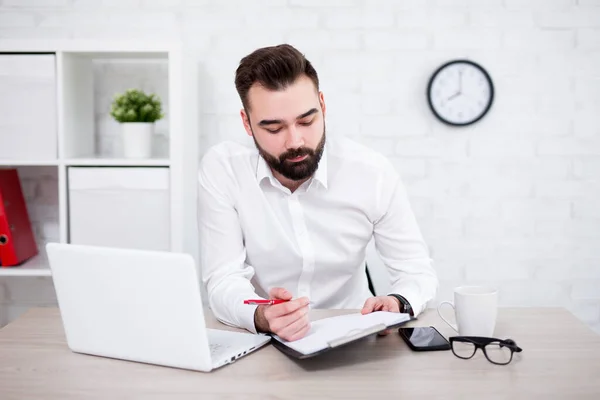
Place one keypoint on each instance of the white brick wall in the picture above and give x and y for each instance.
(512, 201)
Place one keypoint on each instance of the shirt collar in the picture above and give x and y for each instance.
(321, 173)
(264, 171)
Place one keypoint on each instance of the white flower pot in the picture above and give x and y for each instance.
(137, 139)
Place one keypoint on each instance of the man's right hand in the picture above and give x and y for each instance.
(287, 320)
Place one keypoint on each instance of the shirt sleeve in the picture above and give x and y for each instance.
(225, 274)
(402, 249)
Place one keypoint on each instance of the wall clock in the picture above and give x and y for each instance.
(460, 92)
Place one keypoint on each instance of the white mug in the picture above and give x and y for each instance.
(475, 308)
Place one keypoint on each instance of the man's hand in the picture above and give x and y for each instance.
(287, 320)
(381, 303)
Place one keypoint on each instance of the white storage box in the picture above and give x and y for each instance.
(28, 127)
(120, 207)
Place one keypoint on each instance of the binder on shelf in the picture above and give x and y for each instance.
(17, 241)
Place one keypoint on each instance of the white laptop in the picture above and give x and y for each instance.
(142, 306)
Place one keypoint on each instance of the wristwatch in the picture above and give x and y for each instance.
(405, 306)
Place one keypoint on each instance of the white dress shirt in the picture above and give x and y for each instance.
(256, 234)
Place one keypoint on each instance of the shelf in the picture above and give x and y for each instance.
(19, 163)
(36, 266)
(118, 46)
(94, 162)
(118, 162)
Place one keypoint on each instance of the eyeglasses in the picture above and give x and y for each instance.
(497, 351)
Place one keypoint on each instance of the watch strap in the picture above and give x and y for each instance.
(405, 306)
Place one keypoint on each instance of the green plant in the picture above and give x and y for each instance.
(136, 106)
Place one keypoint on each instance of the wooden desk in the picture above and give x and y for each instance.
(560, 359)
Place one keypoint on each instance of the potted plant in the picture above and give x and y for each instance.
(137, 112)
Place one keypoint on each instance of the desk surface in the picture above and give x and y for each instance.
(560, 359)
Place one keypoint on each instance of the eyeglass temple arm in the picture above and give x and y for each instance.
(483, 341)
(511, 343)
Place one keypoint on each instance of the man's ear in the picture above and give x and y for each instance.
(322, 102)
(246, 121)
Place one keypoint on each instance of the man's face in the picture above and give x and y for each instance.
(288, 127)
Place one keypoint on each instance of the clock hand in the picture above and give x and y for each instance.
(459, 87)
(453, 96)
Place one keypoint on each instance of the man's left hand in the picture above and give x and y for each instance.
(381, 303)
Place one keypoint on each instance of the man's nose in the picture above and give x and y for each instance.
(294, 138)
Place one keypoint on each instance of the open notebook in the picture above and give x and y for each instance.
(328, 333)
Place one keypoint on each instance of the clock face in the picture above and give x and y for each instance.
(460, 92)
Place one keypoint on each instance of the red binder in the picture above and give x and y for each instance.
(17, 242)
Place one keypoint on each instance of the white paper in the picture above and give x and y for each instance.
(325, 330)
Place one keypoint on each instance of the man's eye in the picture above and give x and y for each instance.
(273, 130)
(306, 123)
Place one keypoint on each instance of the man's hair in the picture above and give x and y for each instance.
(274, 67)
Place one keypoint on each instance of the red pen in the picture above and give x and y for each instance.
(268, 302)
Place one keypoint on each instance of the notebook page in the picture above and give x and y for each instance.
(327, 329)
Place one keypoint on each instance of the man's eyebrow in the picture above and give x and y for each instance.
(306, 114)
(266, 122)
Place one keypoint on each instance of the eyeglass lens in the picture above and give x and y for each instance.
(498, 353)
(463, 349)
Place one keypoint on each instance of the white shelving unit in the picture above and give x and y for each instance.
(72, 126)
(36, 266)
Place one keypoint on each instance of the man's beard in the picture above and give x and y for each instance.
(299, 170)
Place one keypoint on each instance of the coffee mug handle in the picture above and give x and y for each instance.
(444, 319)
